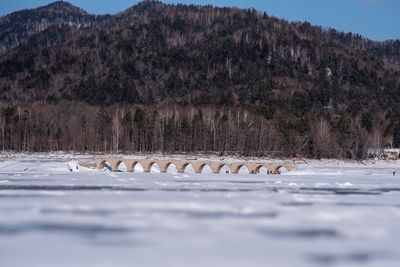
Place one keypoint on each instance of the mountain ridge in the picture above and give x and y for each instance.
(65, 6)
(17, 27)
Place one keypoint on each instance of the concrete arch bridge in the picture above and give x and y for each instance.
(197, 165)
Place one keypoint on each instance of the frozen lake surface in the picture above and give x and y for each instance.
(324, 214)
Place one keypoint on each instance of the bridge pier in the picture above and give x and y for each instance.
(100, 163)
(180, 165)
(216, 167)
(199, 166)
(235, 167)
(163, 164)
(114, 164)
(272, 168)
(130, 164)
(253, 168)
(146, 164)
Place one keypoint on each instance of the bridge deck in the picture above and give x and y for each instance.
(197, 165)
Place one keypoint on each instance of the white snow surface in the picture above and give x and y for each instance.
(326, 213)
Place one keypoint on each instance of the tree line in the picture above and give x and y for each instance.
(73, 126)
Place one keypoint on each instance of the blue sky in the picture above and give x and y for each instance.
(375, 19)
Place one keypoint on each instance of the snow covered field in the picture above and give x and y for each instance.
(326, 213)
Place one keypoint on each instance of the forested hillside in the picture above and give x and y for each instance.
(177, 78)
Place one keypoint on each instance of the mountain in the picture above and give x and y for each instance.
(17, 27)
(155, 54)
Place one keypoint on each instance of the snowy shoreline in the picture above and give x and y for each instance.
(61, 155)
(301, 163)
(60, 162)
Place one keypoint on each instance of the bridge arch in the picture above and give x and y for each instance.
(263, 170)
(121, 167)
(163, 165)
(100, 164)
(235, 167)
(285, 168)
(217, 166)
(130, 164)
(272, 168)
(180, 165)
(171, 168)
(281, 169)
(225, 169)
(253, 167)
(199, 166)
(116, 163)
(147, 164)
(111, 164)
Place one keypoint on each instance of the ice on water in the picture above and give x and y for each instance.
(326, 213)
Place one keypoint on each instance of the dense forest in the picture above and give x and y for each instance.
(190, 79)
